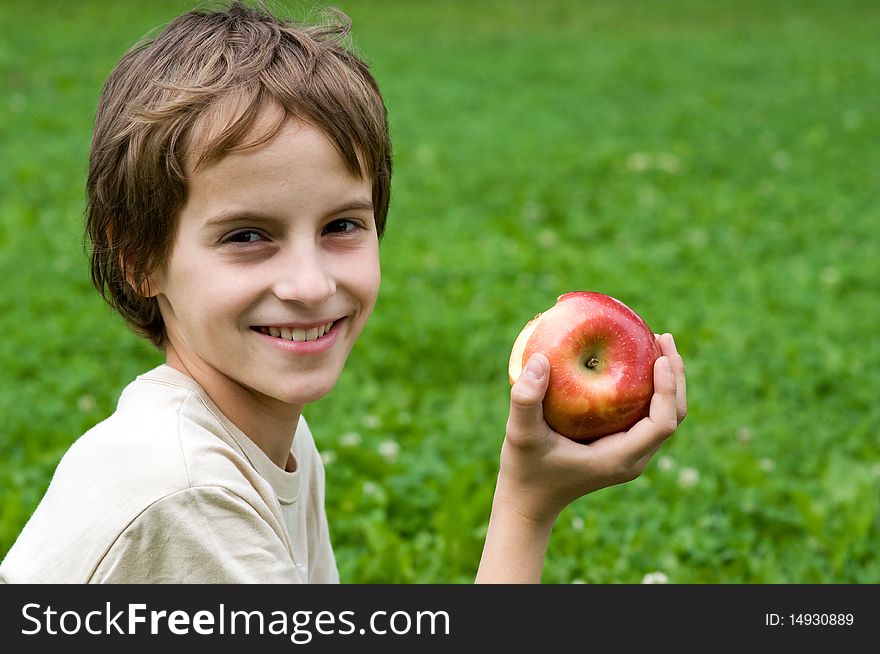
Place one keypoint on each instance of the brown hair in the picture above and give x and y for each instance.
(196, 92)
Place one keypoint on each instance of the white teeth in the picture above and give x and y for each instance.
(296, 334)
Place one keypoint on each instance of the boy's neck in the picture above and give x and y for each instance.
(270, 424)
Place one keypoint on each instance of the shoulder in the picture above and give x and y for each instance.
(157, 452)
(160, 439)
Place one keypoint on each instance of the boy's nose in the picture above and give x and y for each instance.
(304, 278)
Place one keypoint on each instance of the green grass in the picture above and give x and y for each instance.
(712, 164)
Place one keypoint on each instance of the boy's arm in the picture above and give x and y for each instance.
(542, 471)
(515, 545)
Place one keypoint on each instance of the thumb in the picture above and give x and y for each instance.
(526, 396)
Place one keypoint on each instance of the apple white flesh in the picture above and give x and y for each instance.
(601, 356)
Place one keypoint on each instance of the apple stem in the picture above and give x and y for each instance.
(592, 362)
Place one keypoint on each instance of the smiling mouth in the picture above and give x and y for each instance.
(295, 333)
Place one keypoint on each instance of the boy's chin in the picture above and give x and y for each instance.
(304, 393)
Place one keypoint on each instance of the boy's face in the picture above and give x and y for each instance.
(274, 243)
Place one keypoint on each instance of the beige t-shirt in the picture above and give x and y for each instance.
(168, 490)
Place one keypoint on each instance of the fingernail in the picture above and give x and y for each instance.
(535, 368)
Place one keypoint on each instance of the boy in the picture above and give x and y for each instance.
(239, 183)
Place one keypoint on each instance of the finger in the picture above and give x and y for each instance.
(526, 397)
(649, 433)
(669, 349)
(663, 404)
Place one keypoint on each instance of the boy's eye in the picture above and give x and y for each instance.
(244, 236)
(341, 226)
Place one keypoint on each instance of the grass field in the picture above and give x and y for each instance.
(713, 164)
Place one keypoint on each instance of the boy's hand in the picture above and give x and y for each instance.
(542, 471)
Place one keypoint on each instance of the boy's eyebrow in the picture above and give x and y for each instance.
(359, 204)
(235, 215)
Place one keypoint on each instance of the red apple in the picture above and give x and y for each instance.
(601, 355)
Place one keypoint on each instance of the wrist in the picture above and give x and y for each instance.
(531, 507)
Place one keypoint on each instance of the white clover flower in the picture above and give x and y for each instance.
(638, 161)
(655, 578)
(688, 477)
(577, 523)
(547, 238)
(350, 439)
(370, 488)
(372, 421)
(533, 212)
(744, 435)
(328, 457)
(389, 450)
(666, 463)
(668, 162)
(641, 161)
(767, 465)
(86, 403)
(578, 581)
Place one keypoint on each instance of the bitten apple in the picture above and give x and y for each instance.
(601, 355)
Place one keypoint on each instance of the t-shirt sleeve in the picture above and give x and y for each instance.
(198, 535)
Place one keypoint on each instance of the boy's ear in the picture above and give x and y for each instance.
(145, 288)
